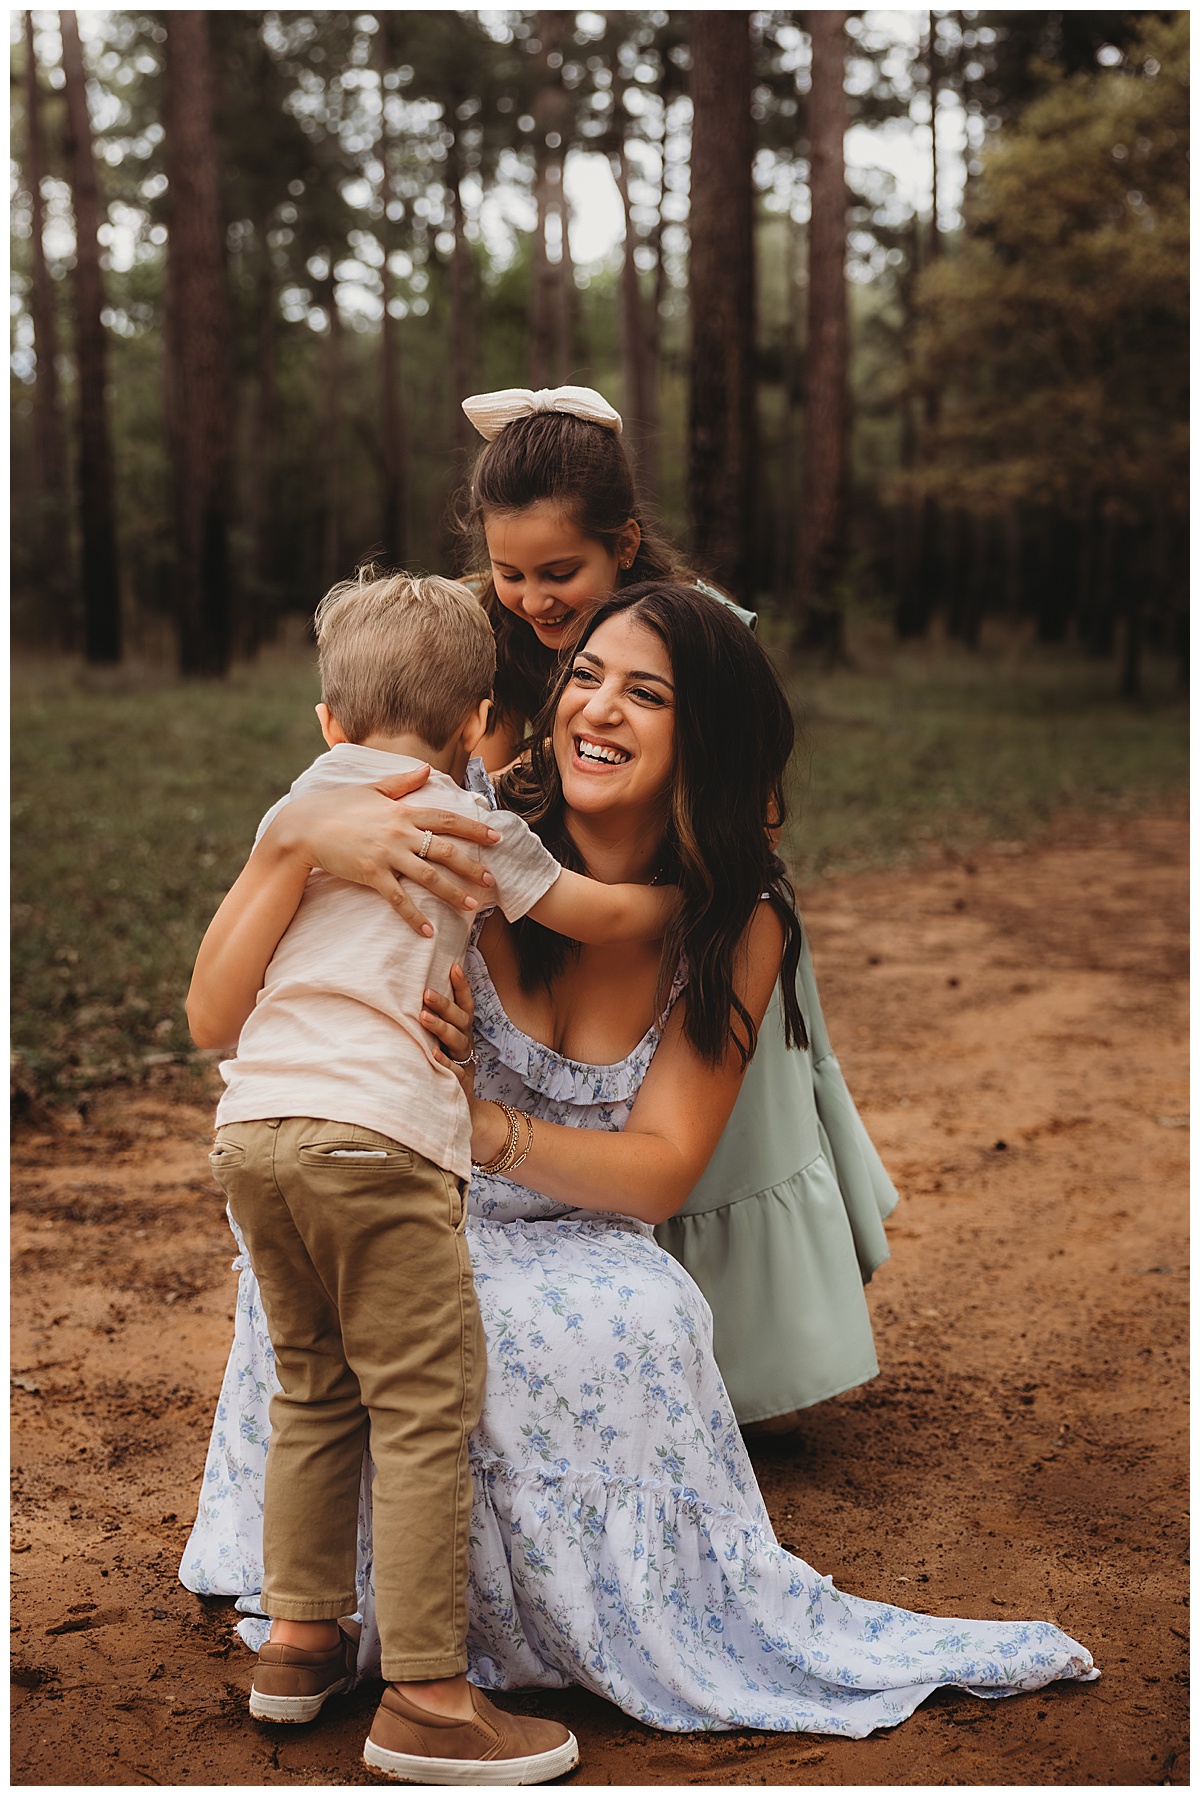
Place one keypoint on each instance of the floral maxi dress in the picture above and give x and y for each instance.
(618, 1537)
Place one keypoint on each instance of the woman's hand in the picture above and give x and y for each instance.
(451, 1022)
(364, 835)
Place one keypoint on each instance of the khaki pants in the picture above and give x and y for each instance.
(360, 1255)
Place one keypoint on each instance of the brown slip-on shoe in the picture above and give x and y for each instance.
(411, 1746)
(291, 1684)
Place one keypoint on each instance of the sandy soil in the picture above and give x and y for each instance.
(1014, 1028)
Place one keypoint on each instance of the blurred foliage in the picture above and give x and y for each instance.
(136, 800)
(1049, 333)
(1057, 333)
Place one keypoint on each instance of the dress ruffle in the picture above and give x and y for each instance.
(615, 1616)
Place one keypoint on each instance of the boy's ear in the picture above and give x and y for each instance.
(331, 729)
(475, 728)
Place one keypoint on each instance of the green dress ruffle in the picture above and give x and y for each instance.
(786, 1225)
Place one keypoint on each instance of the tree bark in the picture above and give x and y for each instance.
(634, 347)
(394, 445)
(461, 271)
(100, 581)
(199, 368)
(721, 421)
(331, 531)
(260, 619)
(547, 364)
(49, 430)
(819, 621)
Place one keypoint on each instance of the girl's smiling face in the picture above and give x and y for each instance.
(614, 730)
(547, 571)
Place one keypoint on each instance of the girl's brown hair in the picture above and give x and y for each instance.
(733, 736)
(582, 467)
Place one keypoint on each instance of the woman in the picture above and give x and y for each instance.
(618, 1537)
(785, 1226)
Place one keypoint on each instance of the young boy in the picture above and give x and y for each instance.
(343, 1145)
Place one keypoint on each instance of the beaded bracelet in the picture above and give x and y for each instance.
(524, 1154)
(508, 1159)
(508, 1153)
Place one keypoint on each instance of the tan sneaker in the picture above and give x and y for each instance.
(291, 1684)
(412, 1746)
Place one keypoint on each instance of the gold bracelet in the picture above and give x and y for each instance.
(524, 1154)
(508, 1153)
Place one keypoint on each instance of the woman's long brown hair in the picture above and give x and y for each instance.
(733, 736)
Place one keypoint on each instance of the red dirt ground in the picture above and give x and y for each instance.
(1015, 1030)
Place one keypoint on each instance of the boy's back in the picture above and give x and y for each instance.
(335, 1030)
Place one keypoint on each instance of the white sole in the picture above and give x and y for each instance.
(293, 1708)
(407, 1768)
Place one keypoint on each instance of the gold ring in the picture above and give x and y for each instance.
(423, 850)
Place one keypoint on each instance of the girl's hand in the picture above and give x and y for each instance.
(451, 1022)
(364, 835)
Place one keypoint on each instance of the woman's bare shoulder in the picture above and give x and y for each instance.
(762, 948)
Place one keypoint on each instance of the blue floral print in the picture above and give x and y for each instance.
(618, 1537)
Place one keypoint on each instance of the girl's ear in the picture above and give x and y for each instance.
(629, 541)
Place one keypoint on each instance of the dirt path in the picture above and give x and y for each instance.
(1015, 1029)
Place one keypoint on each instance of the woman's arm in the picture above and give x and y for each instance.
(360, 834)
(647, 1169)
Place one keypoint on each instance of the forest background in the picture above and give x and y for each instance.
(258, 258)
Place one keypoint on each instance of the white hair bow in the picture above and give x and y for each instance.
(490, 412)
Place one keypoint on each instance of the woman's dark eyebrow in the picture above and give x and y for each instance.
(632, 673)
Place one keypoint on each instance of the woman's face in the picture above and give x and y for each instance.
(547, 571)
(614, 730)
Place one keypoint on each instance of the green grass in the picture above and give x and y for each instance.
(135, 800)
(918, 748)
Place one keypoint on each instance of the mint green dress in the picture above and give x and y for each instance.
(786, 1225)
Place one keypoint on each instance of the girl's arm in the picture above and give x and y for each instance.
(360, 834)
(647, 1169)
(587, 910)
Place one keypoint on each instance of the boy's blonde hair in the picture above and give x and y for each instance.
(403, 654)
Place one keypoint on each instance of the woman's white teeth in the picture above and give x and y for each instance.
(594, 751)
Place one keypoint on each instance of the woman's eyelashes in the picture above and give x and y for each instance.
(586, 677)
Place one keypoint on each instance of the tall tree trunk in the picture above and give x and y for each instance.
(331, 430)
(547, 367)
(199, 365)
(461, 271)
(260, 620)
(541, 345)
(785, 518)
(721, 421)
(634, 349)
(98, 530)
(819, 619)
(394, 446)
(568, 292)
(49, 430)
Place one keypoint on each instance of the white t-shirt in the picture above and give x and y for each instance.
(334, 1031)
